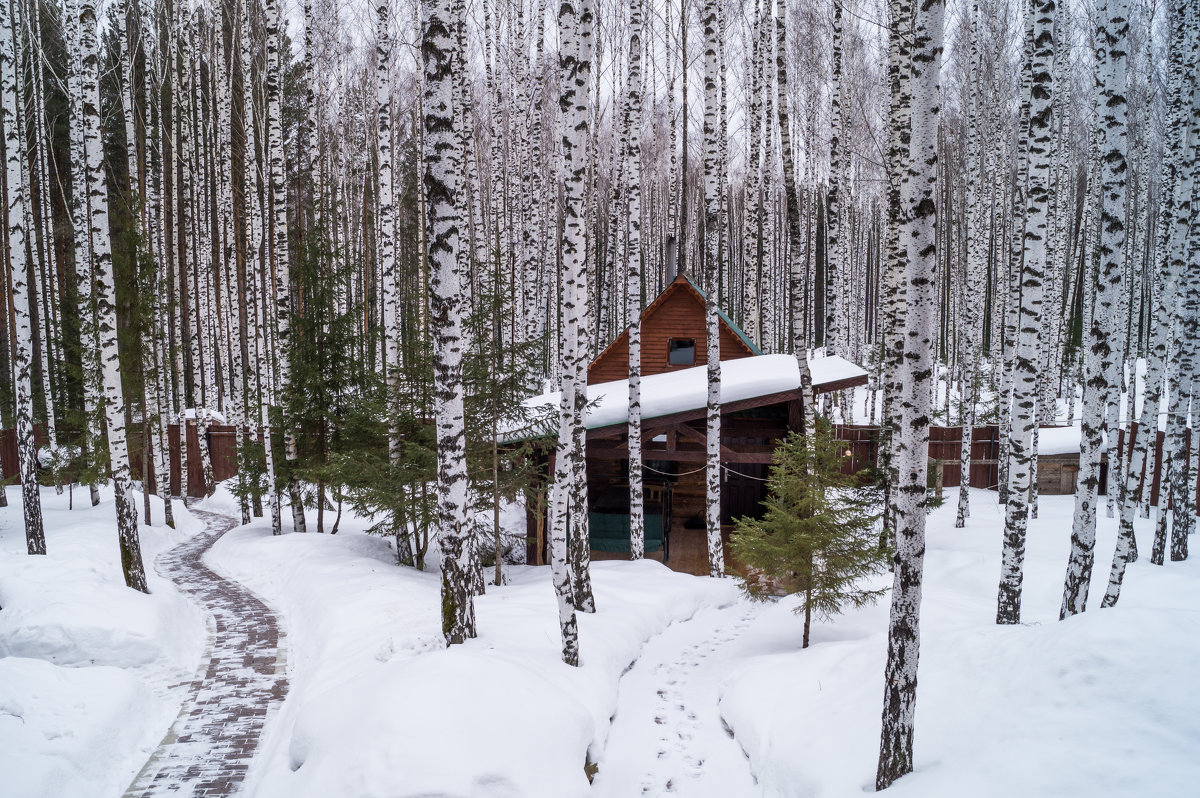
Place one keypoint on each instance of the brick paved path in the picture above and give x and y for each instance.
(241, 680)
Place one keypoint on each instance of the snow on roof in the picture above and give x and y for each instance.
(687, 389)
(1058, 440)
(214, 416)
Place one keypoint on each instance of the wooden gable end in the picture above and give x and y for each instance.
(678, 312)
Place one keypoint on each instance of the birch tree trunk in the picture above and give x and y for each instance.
(1177, 508)
(106, 310)
(16, 188)
(579, 192)
(442, 65)
(574, 66)
(751, 217)
(633, 282)
(970, 314)
(915, 377)
(387, 226)
(280, 254)
(1024, 418)
(1112, 28)
(835, 263)
(89, 341)
(794, 250)
(711, 253)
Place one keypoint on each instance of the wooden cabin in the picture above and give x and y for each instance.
(760, 404)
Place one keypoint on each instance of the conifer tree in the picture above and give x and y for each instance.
(818, 537)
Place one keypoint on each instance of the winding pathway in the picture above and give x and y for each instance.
(241, 680)
(668, 738)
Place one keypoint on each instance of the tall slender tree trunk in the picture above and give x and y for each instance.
(280, 255)
(794, 250)
(1112, 28)
(1021, 452)
(443, 66)
(835, 239)
(633, 281)
(16, 188)
(106, 310)
(712, 267)
(916, 377)
(582, 191)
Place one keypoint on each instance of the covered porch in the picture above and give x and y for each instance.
(761, 404)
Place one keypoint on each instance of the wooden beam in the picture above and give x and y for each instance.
(695, 435)
(686, 456)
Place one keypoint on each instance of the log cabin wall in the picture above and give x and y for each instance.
(678, 312)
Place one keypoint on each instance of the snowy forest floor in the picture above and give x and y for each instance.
(685, 689)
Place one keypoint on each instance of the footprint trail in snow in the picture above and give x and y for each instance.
(667, 738)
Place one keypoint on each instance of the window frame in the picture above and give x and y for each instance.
(672, 349)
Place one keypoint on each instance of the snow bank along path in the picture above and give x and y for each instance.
(208, 749)
(668, 737)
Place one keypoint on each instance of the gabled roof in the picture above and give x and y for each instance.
(724, 317)
(680, 283)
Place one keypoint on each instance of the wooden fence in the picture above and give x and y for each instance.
(945, 447)
(222, 441)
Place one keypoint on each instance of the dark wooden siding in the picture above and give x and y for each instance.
(677, 313)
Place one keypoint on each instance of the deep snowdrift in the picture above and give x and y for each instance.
(378, 706)
(1104, 704)
(89, 669)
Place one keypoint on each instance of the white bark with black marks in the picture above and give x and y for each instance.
(633, 281)
(442, 64)
(711, 254)
(16, 191)
(1021, 451)
(1112, 28)
(914, 380)
(105, 291)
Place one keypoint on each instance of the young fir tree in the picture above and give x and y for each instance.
(495, 377)
(818, 537)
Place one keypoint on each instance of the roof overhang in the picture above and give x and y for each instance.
(682, 395)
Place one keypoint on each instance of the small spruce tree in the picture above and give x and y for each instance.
(817, 538)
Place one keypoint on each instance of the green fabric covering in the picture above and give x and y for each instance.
(610, 532)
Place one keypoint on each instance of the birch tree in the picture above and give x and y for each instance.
(834, 248)
(574, 67)
(105, 291)
(1175, 508)
(914, 378)
(280, 254)
(16, 186)
(794, 247)
(712, 254)
(1021, 454)
(442, 65)
(633, 280)
(1112, 28)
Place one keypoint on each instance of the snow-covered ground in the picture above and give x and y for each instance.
(1105, 704)
(90, 670)
(378, 706)
(686, 688)
(1089, 707)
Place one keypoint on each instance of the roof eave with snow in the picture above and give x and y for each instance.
(742, 381)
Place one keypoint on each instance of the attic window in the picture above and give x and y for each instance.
(681, 351)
